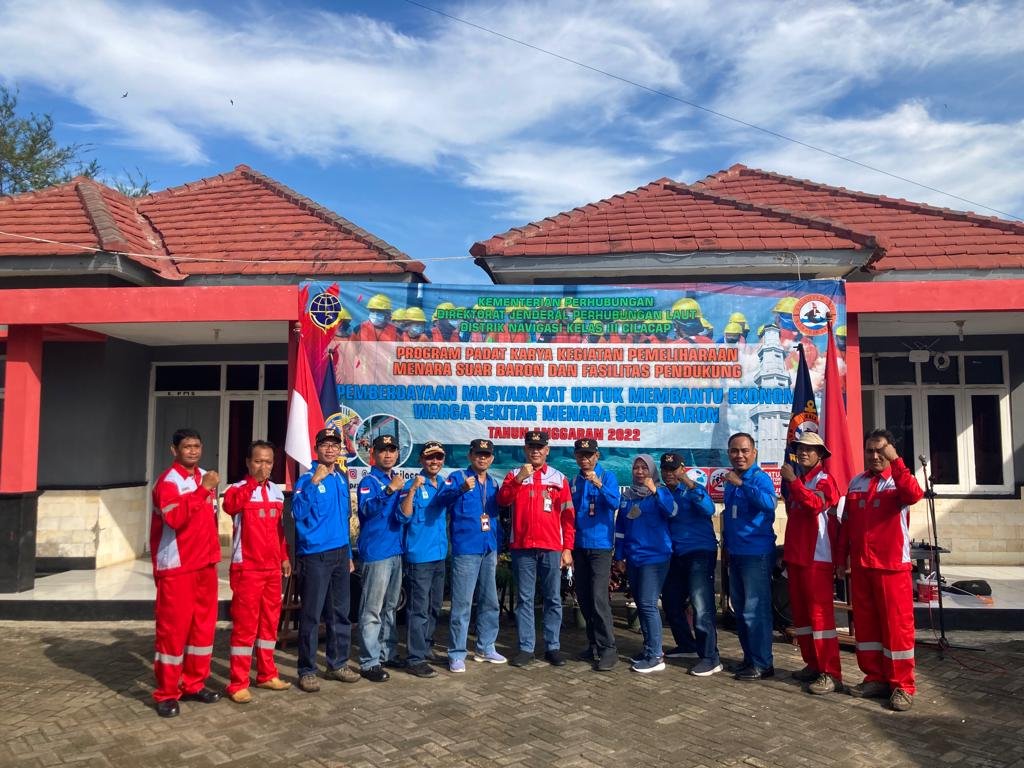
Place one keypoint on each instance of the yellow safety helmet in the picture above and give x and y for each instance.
(741, 319)
(760, 331)
(415, 315)
(733, 328)
(841, 331)
(785, 306)
(379, 301)
(343, 313)
(398, 316)
(707, 326)
(446, 305)
(687, 305)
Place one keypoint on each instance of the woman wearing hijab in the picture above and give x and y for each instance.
(644, 547)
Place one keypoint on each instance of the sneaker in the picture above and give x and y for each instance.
(375, 674)
(343, 674)
(649, 665)
(522, 659)
(492, 657)
(274, 684)
(805, 675)
(875, 689)
(824, 684)
(630, 603)
(421, 670)
(706, 668)
(456, 666)
(309, 683)
(679, 653)
(900, 700)
(554, 658)
(241, 696)
(638, 658)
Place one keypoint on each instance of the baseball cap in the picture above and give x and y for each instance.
(585, 445)
(431, 446)
(671, 461)
(330, 433)
(385, 441)
(536, 437)
(481, 446)
(813, 438)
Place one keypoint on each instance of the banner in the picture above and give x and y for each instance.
(641, 369)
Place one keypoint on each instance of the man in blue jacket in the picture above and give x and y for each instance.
(471, 497)
(426, 547)
(691, 575)
(595, 495)
(380, 552)
(321, 508)
(747, 520)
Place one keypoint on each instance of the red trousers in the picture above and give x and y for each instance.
(883, 621)
(186, 617)
(255, 610)
(814, 619)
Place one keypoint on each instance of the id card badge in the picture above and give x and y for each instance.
(735, 511)
(592, 510)
(423, 493)
(485, 522)
(548, 506)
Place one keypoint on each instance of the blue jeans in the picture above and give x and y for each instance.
(691, 578)
(324, 591)
(531, 566)
(382, 584)
(426, 591)
(471, 572)
(750, 590)
(646, 582)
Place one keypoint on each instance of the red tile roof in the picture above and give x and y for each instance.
(238, 223)
(744, 209)
(666, 216)
(910, 235)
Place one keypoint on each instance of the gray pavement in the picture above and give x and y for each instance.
(78, 694)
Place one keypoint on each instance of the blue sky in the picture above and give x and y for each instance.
(433, 134)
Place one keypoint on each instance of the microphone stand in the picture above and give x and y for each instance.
(942, 644)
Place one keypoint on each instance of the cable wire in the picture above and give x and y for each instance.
(708, 110)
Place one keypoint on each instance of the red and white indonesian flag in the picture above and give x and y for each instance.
(304, 416)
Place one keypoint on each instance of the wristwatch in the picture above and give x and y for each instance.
(389, 491)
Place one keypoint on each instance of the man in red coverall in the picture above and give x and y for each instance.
(875, 535)
(811, 499)
(543, 533)
(259, 557)
(185, 547)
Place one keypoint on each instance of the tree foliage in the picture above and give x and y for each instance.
(30, 156)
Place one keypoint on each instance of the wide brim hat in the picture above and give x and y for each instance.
(813, 438)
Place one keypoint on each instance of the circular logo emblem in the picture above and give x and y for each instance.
(811, 313)
(698, 475)
(325, 310)
(716, 483)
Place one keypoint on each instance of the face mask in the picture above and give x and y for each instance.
(344, 328)
(416, 329)
(732, 339)
(378, 319)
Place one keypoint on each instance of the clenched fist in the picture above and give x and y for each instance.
(733, 479)
(525, 472)
(469, 484)
(322, 471)
(211, 480)
(787, 473)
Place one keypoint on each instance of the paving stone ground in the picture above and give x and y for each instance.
(78, 694)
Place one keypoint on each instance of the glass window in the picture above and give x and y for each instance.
(899, 419)
(896, 370)
(275, 376)
(983, 369)
(942, 436)
(188, 378)
(867, 371)
(246, 377)
(240, 422)
(930, 374)
(988, 444)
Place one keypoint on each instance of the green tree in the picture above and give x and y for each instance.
(30, 157)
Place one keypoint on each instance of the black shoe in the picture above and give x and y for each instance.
(434, 657)
(753, 673)
(608, 660)
(375, 674)
(554, 658)
(422, 669)
(522, 659)
(396, 663)
(587, 655)
(168, 708)
(205, 695)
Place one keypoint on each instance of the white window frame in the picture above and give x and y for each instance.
(919, 392)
